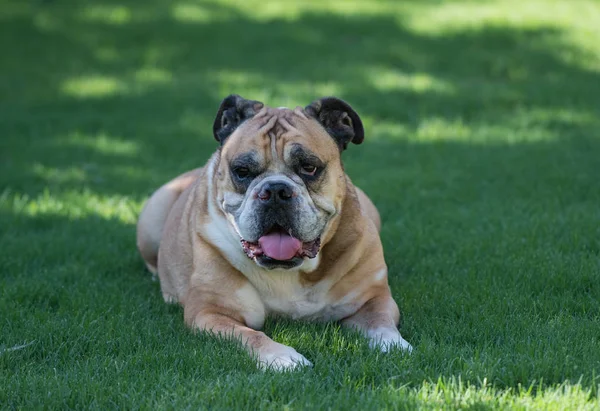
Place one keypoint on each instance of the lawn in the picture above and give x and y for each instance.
(482, 154)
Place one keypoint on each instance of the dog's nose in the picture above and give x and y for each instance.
(275, 192)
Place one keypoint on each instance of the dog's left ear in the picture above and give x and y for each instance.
(234, 110)
(339, 120)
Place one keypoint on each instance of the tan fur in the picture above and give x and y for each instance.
(368, 208)
(183, 234)
(154, 214)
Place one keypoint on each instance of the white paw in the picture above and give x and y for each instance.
(284, 358)
(386, 339)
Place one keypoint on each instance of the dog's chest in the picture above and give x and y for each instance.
(282, 293)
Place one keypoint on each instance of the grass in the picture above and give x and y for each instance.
(482, 154)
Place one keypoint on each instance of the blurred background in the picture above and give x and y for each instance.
(117, 96)
(468, 105)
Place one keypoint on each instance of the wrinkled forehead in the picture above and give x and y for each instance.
(274, 132)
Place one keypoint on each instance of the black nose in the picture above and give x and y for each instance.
(275, 192)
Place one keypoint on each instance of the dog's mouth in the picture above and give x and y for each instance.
(278, 244)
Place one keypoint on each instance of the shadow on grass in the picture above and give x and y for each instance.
(118, 105)
(78, 72)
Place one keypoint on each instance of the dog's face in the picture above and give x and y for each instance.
(280, 179)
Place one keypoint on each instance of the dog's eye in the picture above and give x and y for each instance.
(308, 169)
(241, 172)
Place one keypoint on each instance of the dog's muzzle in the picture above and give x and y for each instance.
(277, 245)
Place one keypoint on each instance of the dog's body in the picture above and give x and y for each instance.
(272, 225)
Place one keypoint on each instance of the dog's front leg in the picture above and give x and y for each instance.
(229, 323)
(378, 319)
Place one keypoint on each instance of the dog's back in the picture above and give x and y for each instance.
(154, 215)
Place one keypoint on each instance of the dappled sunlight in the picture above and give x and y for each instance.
(260, 87)
(148, 76)
(114, 15)
(295, 9)
(384, 78)
(53, 175)
(99, 86)
(567, 28)
(387, 130)
(80, 161)
(101, 143)
(454, 393)
(93, 86)
(252, 84)
(191, 13)
(480, 152)
(548, 119)
(449, 16)
(433, 129)
(522, 126)
(73, 205)
(413, 61)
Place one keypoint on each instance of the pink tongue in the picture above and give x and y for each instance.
(280, 246)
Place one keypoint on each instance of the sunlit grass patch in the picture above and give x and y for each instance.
(190, 12)
(116, 15)
(99, 86)
(455, 394)
(101, 143)
(292, 10)
(72, 205)
(55, 175)
(93, 86)
(386, 79)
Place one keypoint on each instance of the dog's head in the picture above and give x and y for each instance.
(280, 180)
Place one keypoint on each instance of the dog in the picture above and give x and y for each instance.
(272, 225)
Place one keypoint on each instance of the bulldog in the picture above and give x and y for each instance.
(272, 225)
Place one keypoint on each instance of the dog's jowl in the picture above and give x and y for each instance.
(272, 225)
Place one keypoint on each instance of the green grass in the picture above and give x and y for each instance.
(482, 154)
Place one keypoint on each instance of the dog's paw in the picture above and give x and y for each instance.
(386, 339)
(284, 358)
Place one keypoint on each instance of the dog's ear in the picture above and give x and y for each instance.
(339, 120)
(234, 111)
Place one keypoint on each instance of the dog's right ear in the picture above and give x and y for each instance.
(234, 111)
